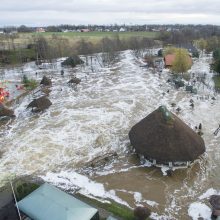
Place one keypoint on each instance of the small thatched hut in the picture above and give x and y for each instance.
(215, 203)
(163, 137)
(72, 61)
(46, 81)
(74, 80)
(4, 111)
(40, 104)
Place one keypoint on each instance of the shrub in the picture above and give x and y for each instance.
(29, 83)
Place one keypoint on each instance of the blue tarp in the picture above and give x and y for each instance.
(49, 203)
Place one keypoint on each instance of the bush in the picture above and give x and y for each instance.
(195, 54)
(29, 83)
(216, 66)
(216, 54)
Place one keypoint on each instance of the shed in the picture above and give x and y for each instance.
(48, 202)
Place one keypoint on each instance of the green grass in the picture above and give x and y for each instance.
(116, 209)
(22, 189)
(217, 81)
(91, 36)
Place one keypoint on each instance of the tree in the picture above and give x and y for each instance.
(109, 51)
(216, 66)
(216, 63)
(170, 50)
(202, 44)
(85, 48)
(213, 43)
(216, 54)
(42, 48)
(24, 29)
(182, 62)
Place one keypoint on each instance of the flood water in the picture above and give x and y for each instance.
(94, 119)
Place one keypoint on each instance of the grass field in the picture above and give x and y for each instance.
(90, 36)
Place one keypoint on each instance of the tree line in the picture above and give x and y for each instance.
(39, 47)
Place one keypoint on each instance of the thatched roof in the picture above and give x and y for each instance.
(215, 201)
(46, 81)
(40, 104)
(166, 138)
(4, 111)
(74, 80)
(72, 61)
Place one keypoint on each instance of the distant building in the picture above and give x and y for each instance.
(40, 30)
(13, 32)
(122, 29)
(84, 30)
(99, 29)
(2, 32)
(66, 31)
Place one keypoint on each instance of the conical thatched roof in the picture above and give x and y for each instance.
(215, 201)
(4, 111)
(74, 80)
(40, 104)
(46, 81)
(72, 61)
(164, 137)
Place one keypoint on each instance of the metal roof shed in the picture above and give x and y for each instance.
(48, 202)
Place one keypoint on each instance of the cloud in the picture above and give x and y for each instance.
(108, 11)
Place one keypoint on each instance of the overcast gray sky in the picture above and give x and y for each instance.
(54, 12)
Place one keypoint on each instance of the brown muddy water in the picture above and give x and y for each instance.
(94, 119)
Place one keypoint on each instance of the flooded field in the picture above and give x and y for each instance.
(94, 119)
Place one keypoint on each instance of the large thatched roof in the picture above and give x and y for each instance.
(74, 80)
(46, 81)
(40, 104)
(164, 137)
(72, 61)
(4, 111)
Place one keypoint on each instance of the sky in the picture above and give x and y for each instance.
(55, 12)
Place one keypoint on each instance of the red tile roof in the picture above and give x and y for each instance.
(169, 59)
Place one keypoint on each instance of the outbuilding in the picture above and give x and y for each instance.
(49, 203)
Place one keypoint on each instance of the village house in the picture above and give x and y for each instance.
(40, 30)
(122, 29)
(84, 30)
